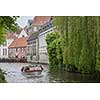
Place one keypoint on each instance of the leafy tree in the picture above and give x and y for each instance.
(7, 23)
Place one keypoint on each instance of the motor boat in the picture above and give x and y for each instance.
(32, 68)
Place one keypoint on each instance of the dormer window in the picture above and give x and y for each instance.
(23, 36)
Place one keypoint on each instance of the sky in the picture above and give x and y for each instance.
(22, 20)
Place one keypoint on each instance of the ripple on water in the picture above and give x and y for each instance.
(14, 74)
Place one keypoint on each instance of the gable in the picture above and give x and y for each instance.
(23, 34)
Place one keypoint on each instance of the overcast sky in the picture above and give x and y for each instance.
(22, 20)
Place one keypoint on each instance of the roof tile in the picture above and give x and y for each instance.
(39, 20)
(19, 42)
(10, 36)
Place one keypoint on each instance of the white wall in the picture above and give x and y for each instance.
(23, 33)
(1, 51)
(9, 41)
(42, 41)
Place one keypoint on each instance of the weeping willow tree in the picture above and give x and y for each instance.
(62, 27)
(69, 31)
(85, 56)
(80, 41)
(98, 46)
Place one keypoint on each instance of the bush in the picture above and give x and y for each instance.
(2, 77)
(54, 47)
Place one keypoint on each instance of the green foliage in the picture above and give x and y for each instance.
(51, 47)
(2, 34)
(98, 46)
(77, 43)
(2, 77)
(7, 23)
(59, 52)
(54, 49)
(85, 61)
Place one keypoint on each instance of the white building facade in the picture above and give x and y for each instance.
(18, 47)
(33, 41)
(44, 30)
(4, 51)
(4, 47)
(32, 48)
(23, 33)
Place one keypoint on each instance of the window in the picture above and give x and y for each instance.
(22, 50)
(16, 49)
(34, 48)
(4, 52)
(23, 36)
(35, 28)
(28, 48)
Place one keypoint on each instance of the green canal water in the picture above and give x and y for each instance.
(14, 75)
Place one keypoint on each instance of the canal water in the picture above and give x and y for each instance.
(14, 75)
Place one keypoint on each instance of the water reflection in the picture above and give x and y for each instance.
(14, 74)
(54, 75)
(61, 76)
(32, 74)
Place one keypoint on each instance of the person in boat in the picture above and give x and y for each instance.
(36, 68)
(25, 69)
(22, 69)
(41, 67)
(32, 69)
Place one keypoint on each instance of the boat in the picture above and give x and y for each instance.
(32, 68)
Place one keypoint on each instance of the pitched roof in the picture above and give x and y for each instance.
(10, 36)
(19, 42)
(33, 36)
(39, 20)
(25, 29)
